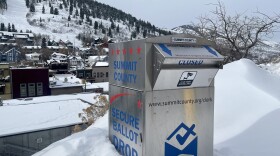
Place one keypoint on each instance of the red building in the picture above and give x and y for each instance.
(29, 82)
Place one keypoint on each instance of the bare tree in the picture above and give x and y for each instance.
(235, 35)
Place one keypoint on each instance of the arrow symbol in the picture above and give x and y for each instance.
(165, 49)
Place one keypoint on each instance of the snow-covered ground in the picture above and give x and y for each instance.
(247, 109)
(38, 113)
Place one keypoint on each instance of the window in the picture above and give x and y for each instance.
(2, 88)
(81, 74)
(97, 74)
(1, 72)
(94, 75)
(107, 74)
(40, 89)
(31, 89)
(101, 74)
(23, 90)
(88, 75)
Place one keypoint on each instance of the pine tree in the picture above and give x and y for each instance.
(51, 10)
(64, 3)
(40, 19)
(3, 4)
(9, 27)
(13, 28)
(77, 13)
(103, 31)
(71, 9)
(60, 6)
(137, 28)
(32, 7)
(82, 13)
(69, 18)
(56, 12)
(44, 43)
(145, 33)
(101, 25)
(113, 25)
(2, 27)
(27, 3)
(133, 34)
(118, 29)
(95, 25)
(43, 9)
(90, 22)
(50, 5)
(110, 33)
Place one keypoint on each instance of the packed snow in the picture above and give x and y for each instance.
(247, 109)
(39, 113)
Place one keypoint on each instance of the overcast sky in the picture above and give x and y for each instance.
(173, 13)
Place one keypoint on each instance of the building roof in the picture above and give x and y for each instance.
(21, 36)
(13, 49)
(33, 54)
(31, 47)
(33, 114)
(101, 64)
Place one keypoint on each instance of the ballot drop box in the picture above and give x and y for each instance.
(161, 94)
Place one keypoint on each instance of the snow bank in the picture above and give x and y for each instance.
(91, 142)
(244, 93)
(246, 115)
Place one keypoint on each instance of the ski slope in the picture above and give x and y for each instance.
(247, 111)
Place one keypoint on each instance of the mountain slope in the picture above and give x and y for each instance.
(72, 26)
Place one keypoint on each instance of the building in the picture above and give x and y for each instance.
(32, 124)
(11, 55)
(35, 57)
(15, 37)
(5, 83)
(29, 82)
(100, 72)
(65, 84)
(75, 60)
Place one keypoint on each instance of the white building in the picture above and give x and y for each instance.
(33, 56)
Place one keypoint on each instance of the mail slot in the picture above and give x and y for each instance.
(162, 96)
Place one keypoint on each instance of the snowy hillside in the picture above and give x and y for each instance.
(247, 109)
(70, 27)
(18, 14)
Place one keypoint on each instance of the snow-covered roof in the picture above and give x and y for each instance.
(31, 47)
(11, 50)
(14, 44)
(102, 64)
(6, 33)
(21, 36)
(39, 113)
(106, 50)
(57, 47)
(58, 54)
(104, 85)
(84, 49)
(93, 59)
(75, 57)
(32, 54)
